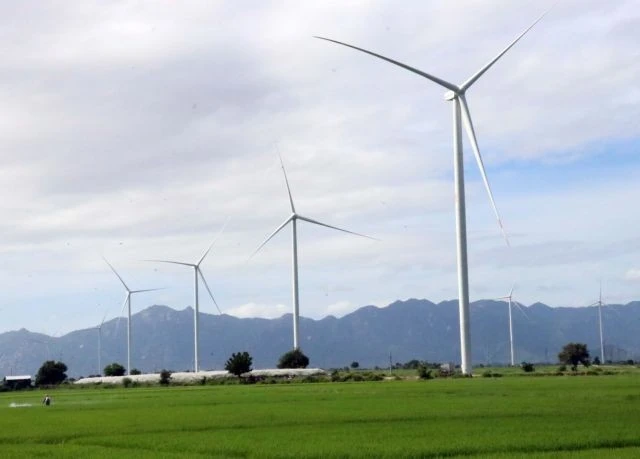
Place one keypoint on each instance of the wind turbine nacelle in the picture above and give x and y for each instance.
(450, 95)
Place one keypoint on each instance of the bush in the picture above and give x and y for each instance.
(239, 363)
(424, 372)
(135, 371)
(51, 373)
(562, 368)
(293, 359)
(165, 377)
(126, 382)
(527, 367)
(114, 369)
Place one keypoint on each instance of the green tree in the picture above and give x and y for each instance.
(51, 373)
(354, 364)
(135, 371)
(165, 377)
(239, 363)
(114, 369)
(574, 354)
(527, 367)
(293, 359)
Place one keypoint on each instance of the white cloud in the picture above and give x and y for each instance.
(258, 310)
(632, 274)
(134, 129)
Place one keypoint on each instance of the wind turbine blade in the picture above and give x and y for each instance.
(124, 303)
(116, 273)
(171, 262)
(316, 222)
(206, 252)
(270, 236)
(466, 116)
(293, 209)
(204, 281)
(520, 307)
(481, 72)
(146, 290)
(511, 291)
(104, 318)
(435, 79)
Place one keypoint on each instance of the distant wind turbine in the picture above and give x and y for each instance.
(293, 218)
(510, 301)
(127, 302)
(99, 328)
(196, 312)
(457, 95)
(600, 304)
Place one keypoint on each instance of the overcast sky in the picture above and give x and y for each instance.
(133, 130)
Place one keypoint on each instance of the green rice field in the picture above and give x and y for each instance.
(553, 416)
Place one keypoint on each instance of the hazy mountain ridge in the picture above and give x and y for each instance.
(163, 337)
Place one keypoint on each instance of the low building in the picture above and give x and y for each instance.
(17, 382)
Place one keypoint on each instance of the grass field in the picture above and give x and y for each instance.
(480, 417)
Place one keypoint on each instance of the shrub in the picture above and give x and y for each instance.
(424, 372)
(126, 382)
(114, 369)
(527, 367)
(293, 359)
(165, 377)
(239, 363)
(51, 373)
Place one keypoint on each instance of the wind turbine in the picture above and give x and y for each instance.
(511, 302)
(127, 302)
(293, 218)
(599, 304)
(196, 312)
(99, 328)
(457, 95)
(508, 298)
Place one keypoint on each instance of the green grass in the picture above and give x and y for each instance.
(480, 417)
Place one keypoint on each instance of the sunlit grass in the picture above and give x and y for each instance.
(483, 417)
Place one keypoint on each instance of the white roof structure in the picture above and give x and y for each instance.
(17, 378)
(187, 377)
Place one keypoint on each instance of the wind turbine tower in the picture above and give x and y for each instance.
(457, 95)
(197, 272)
(127, 302)
(293, 218)
(508, 298)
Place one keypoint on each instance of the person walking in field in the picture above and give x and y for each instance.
(46, 401)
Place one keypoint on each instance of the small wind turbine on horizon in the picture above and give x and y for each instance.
(510, 301)
(127, 302)
(99, 328)
(457, 95)
(293, 218)
(599, 304)
(197, 272)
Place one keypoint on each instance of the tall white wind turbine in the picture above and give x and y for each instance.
(457, 95)
(293, 218)
(127, 302)
(197, 272)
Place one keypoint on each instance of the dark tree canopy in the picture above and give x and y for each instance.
(293, 359)
(114, 369)
(354, 364)
(239, 363)
(574, 354)
(51, 373)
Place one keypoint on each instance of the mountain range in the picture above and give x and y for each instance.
(404, 330)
